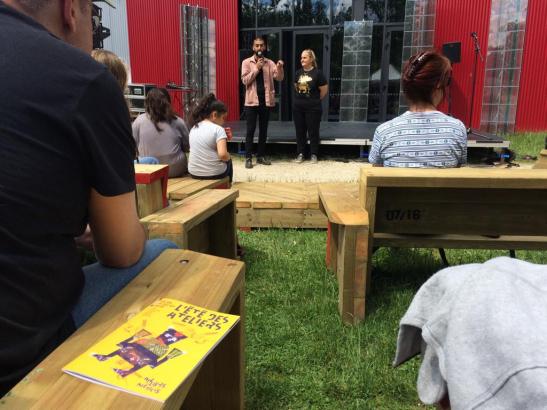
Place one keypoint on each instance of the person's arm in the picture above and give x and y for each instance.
(118, 236)
(248, 73)
(374, 156)
(135, 128)
(278, 71)
(222, 150)
(323, 91)
(463, 158)
(183, 130)
(102, 122)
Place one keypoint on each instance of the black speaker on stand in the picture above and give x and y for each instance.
(452, 51)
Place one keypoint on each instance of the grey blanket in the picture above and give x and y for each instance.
(482, 332)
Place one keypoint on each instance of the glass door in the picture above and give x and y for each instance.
(385, 78)
(274, 48)
(391, 73)
(317, 41)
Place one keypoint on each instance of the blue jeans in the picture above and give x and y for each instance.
(103, 283)
(147, 160)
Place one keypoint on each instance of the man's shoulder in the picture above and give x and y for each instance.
(54, 53)
(247, 60)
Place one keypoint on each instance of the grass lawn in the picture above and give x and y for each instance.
(527, 143)
(299, 355)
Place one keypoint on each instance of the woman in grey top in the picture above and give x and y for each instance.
(161, 134)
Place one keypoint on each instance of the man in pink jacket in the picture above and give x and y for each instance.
(258, 74)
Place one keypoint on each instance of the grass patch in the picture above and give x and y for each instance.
(529, 143)
(299, 355)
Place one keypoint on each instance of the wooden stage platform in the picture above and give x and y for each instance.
(262, 204)
(278, 205)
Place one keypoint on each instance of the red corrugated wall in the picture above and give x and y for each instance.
(532, 103)
(154, 43)
(455, 21)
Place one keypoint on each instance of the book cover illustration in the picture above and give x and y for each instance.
(155, 351)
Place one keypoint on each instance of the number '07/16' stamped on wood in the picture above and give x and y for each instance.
(403, 214)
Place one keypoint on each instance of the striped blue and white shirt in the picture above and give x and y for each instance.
(420, 140)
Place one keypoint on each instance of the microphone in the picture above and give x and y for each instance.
(259, 54)
(477, 46)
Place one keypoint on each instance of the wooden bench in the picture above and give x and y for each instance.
(204, 222)
(542, 160)
(347, 243)
(151, 189)
(181, 188)
(278, 205)
(204, 280)
(425, 208)
(454, 208)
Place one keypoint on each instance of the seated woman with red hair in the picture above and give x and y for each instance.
(422, 137)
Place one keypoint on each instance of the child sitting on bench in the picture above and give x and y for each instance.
(209, 157)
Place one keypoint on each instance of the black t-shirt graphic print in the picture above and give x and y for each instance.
(306, 88)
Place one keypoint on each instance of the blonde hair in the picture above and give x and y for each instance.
(114, 64)
(312, 55)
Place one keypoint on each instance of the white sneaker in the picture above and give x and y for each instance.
(299, 159)
(313, 159)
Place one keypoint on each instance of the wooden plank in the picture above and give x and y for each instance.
(220, 371)
(189, 213)
(342, 205)
(146, 173)
(204, 223)
(149, 198)
(190, 186)
(351, 259)
(151, 188)
(179, 183)
(263, 195)
(243, 204)
(199, 238)
(345, 269)
(461, 241)
(223, 236)
(208, 281)
(507, 178)
(332, 238)
(368, 196)
(541, 162)
(280, 218)
(461, 211)
(267, 204)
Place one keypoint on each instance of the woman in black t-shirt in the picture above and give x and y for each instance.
(310, 88)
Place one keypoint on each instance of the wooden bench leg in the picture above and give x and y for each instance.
(351, 271)
(222, 232)
(332, 246)
(220, 383)
(149, 198)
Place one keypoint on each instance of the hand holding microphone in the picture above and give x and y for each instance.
(260, 61)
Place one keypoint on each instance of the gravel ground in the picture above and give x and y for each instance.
(285, 170)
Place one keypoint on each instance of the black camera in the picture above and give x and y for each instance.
(99, 31)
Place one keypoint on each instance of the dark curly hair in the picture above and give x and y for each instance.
(158, 106)
(423, 73)
(205, 107)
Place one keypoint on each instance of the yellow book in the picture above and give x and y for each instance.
(155, 351)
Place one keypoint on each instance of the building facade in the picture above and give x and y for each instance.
(364, 73)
